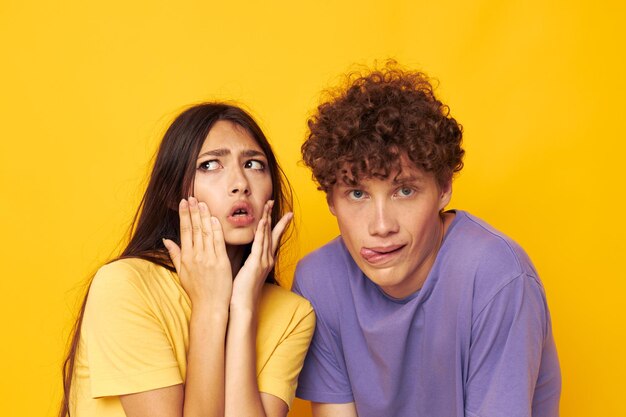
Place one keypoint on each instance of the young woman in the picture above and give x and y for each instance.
(186, 322)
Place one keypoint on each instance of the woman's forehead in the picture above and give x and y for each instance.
(226, 135)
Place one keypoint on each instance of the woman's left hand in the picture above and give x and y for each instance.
(251, 277)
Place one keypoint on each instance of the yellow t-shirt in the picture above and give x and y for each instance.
(135, 336)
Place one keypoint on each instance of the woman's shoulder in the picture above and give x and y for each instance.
(277, 294)
(284, 315)
(125, 272)
(283, 302)
(133, 283)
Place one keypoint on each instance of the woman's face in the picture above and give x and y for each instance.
(233, 179)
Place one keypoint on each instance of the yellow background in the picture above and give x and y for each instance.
(86, 89)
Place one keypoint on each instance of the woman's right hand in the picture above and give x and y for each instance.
(201, 260)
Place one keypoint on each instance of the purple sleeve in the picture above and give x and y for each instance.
(323, 377)
(511, 342)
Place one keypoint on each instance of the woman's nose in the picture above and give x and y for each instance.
(239, 183)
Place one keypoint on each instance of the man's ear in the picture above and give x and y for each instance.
(329, 201)
(446, 194)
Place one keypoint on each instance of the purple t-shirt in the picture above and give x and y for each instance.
(475, 341)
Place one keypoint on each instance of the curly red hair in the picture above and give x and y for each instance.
(364, 129)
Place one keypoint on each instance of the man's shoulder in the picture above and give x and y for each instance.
(325, 271)
(488, 256)
(325, 258)
(485, 246)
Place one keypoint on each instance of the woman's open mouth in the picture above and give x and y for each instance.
(241, 215)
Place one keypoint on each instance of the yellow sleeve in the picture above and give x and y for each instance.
(280, 376)
(128, 349)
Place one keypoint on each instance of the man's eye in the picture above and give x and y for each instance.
(406, 191)
(356, 194)
(209, 165)
(254, 164)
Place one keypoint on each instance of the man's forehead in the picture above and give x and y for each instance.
(407, 172)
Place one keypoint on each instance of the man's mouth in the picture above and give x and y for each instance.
(380, 254)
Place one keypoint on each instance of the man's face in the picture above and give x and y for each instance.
(392, 227)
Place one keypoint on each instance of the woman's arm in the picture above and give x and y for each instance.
(203, 393)
(219, 381)
(205, 274)
(333, 410)
(242, 391)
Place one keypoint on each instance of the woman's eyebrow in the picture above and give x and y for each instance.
(252, 152)
(247, 153)
(215, 152)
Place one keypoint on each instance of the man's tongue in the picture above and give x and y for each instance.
(371, 254)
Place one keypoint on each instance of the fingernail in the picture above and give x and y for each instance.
(214, 220)
(183, 204)
(203, 207)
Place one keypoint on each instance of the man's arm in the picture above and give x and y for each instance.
(333, 410)
(512, 355)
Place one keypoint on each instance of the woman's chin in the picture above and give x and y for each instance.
(239, 237)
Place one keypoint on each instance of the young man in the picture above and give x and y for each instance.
(420, 311)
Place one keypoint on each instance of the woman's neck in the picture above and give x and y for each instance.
(235, 255)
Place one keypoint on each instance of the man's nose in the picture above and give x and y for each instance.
(383, 220)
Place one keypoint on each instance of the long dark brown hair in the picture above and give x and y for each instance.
(171, 180)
